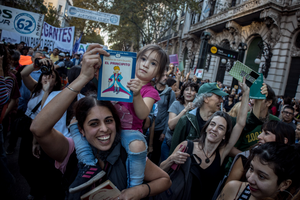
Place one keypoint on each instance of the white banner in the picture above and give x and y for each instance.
(93, 15)
(82, 48)
(52, 37)
(21, 21)
(61, 38)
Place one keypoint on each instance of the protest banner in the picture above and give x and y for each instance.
(52, 37)
(61, 38)
(94, 15)
(82, 48)
(21, 21)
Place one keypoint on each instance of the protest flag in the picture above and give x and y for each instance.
(76, 45)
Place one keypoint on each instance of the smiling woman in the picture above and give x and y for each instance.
(99, 123)
(273, 173)
(217, 138)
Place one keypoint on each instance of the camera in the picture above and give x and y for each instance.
(46, 69)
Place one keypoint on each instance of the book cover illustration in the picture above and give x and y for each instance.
(105, 191)
(255, 92)
(239, 70)
(116, 70)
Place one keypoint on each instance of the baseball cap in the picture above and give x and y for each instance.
(211, 88)
(61, 54)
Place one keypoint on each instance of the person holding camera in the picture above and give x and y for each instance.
(37, 168)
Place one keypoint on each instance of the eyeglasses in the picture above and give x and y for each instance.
(287, 113)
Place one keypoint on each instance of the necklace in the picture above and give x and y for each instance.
(207, 160)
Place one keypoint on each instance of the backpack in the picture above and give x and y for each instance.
(181, 180)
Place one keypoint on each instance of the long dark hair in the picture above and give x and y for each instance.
(184, 86)
(39, 85)
(283, 159)
(203, 133)
(281, 130)
(6, 58)
(164, 58)
(84, 105)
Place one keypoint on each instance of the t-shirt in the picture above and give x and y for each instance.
(54, 58)
(249, 135)
(129, 120)
(176, 107)
(61, 124)
(63, 165)
(292, 124)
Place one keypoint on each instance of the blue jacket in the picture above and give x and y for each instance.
(73, 60)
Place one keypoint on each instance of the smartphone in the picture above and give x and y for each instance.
(177, 166)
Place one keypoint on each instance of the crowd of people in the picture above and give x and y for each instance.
(180, 138)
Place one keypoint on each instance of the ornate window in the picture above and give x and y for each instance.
(297, 41)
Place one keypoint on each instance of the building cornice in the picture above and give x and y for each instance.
(244, 9)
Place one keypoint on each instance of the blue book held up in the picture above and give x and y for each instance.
(114, 73)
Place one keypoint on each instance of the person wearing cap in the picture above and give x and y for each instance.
(77, 59)
(60, 65)
(68, 63)
(54, 56)
(207, 102)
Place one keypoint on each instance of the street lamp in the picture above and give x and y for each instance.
(257, 60)
(223, 61)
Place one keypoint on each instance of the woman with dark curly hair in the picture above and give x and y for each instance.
(176, 111)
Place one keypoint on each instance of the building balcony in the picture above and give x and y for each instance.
(243, 14)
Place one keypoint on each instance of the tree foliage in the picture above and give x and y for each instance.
(92, 38)
(141, 21)
(52, 17)
(37, 6)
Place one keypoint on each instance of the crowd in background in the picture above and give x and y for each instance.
(188, 108)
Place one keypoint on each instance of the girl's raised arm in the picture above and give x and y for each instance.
(42, 125)
(241, 119)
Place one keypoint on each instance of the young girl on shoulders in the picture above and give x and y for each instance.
(151, 62)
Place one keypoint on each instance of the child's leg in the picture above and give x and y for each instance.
(83, 149)
(136, 146)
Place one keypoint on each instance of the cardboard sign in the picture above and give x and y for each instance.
(239, 70)
(199, 73)
(174, 59)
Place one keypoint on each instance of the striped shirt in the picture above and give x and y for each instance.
(6, 86)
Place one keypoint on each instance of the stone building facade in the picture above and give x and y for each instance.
(276, 22)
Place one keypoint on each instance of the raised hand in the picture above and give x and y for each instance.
(48, 82)
(180, 157)
(91, 61)
(244, 86)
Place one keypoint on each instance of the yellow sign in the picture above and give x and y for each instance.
(213, 49)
